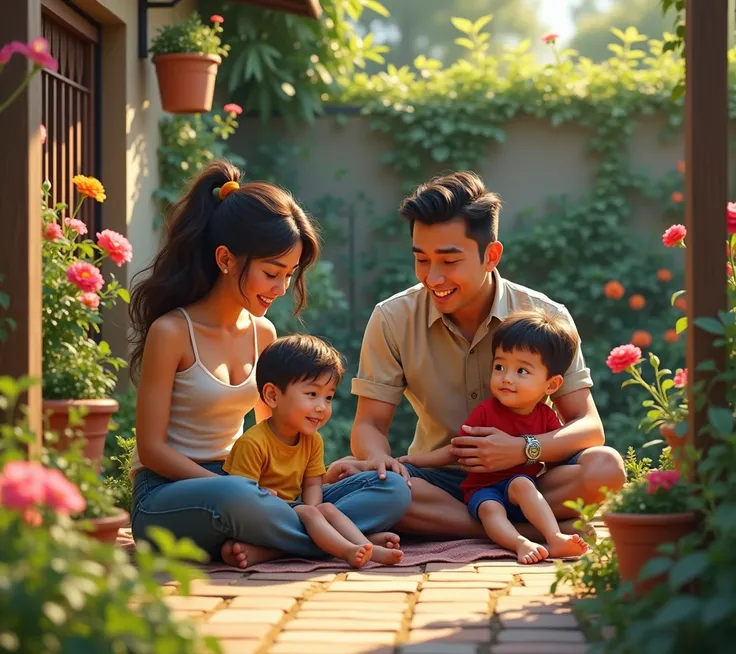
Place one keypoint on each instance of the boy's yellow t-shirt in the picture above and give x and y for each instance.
(259, 455)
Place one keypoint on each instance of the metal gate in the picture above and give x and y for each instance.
(70, 103)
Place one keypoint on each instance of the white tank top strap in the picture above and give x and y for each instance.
(191, 334)
(255, 340)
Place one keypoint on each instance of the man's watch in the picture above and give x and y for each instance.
(532, 449)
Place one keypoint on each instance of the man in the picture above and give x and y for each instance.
(432, 343)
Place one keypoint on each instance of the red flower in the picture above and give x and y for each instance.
(671, 336)
(622, 357)
(664, 479)
(641, 338)
(637, 302)
(77, 225)
(216, 18)
(680, 378)
(116, 245)
(550, 38)
(674, 236)
(233, 108)
(731, 217)
(681, 167)
(613, 289)
(678, 197)
(9, 49)
(38, 53)
(61, 494)
(53, 232)
(664, 275)
(729, 269)
(85, 277)
(91, 300)
(22, 485)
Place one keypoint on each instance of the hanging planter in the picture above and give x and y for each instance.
(187, 57)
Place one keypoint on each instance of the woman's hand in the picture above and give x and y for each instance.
(487, 450)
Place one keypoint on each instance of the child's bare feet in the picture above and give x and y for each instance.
(529, 552)
(359, 555)
(386, 539)
(243, 555)
(563, 545)
(386, 556)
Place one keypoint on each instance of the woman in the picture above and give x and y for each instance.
(199, 326)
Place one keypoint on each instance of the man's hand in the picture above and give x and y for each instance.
(386, 462)
(487, 449)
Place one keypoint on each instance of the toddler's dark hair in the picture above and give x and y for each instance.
(296, 358)
(542, 332)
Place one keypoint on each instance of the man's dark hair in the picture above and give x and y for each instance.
(459, 195)
(296, 358)
(542, 332)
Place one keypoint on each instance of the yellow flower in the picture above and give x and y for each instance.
(90, 186)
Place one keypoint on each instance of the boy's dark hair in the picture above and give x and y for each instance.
(459, 195)
(542, 332)
(296, 358)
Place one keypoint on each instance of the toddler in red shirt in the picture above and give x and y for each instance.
(532, 350)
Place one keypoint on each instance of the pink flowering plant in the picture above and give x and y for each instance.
(657, 492)
(76, 365)
(192, 35)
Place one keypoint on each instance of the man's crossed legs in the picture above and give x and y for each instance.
(437, 508)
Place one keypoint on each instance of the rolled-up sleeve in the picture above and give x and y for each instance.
(380, 373)
(577, 375)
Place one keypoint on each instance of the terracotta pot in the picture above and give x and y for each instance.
(106, 529)
(94, 428)
(675, 442)
(186, 81)
(637, 537)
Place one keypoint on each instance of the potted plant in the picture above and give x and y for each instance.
(651, 509)
(79, 372)
(187, 56)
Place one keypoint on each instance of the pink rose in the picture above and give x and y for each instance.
(9, 49)
(85, 277)
(661, 479)
(731, 217)
(53, 232)
(22, 485)
(233, 108)
(550, 38)
(61, 495)
(674, 236)
(38, 53)
(91, 300)
(680, 378)
(116, 245)
(216, 18)
(77, 225)
(622, 357)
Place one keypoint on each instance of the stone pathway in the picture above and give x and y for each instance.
(496, 607)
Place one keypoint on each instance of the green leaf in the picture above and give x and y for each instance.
(710, 325)
(721, 419)
(687, 569)
(441, 153)
(465, 42)
(124, 295)
(377, 7)
(655, 567)
(681, 324)
(680, 607)
(675, 296)
(462, 24)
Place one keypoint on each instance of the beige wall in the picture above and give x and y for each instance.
(131, 110)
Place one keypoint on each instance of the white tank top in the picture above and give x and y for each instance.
(206, 415)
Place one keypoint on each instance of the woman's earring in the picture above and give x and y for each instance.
(224, 270)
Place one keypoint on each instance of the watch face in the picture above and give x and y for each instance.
(533, 450)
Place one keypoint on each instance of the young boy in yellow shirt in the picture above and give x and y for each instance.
(297, 377)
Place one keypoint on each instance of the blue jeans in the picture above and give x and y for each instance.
(498, 492)
(212, 510)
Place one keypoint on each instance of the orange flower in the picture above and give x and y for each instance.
(641, 338)
(681, 167)
(671, 336)
(681, 303)
(613, 290)
(637, 302)
(90, 186)
(664, 275)
(678, 197)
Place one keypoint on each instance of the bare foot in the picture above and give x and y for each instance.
(385, 539)
(529, 552)
(386, 556)
(563, 545)
(359, 555)
(243, 555)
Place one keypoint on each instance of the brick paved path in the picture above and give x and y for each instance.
(441, 608)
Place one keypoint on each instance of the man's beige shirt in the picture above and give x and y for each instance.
(410, 348)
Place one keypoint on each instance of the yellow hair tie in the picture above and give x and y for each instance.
(227, 188)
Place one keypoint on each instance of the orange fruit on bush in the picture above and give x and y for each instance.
(681, 303)
(671, 336)
(678, 197)
(664, 275)
(614, 290)
(637, 302)
(641, 338)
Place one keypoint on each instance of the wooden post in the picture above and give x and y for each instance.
(706, 191)
(20, 205)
